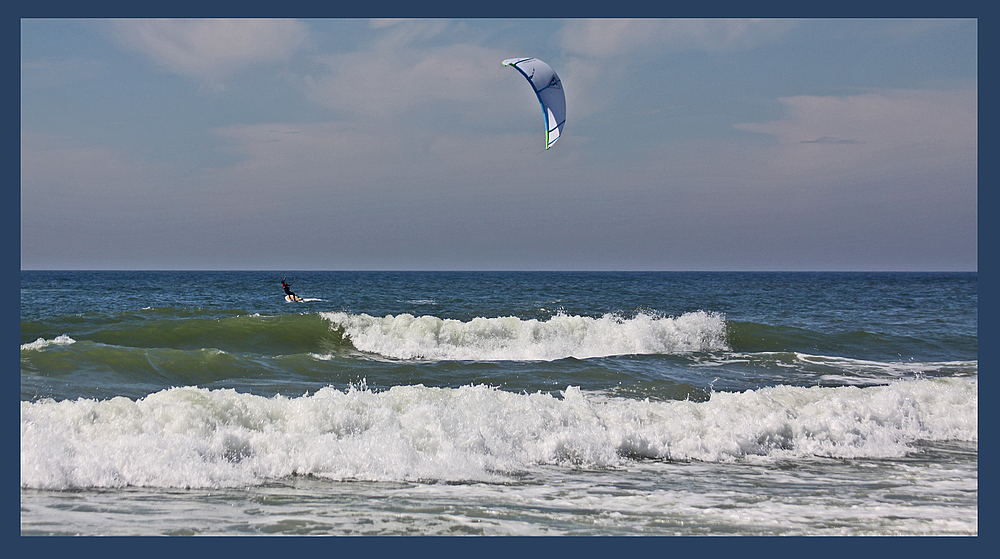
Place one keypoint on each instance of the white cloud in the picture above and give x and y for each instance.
(349, 158)
(418, 109)
(611, 38)
(379, 23)
(211, 49)
(890, 129)
(605, 53)
(383, 83)
(406, 68)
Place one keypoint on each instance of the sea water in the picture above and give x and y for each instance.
(499, 403)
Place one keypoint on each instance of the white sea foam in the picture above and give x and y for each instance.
(843, 370)
(196, 437)
(896, 368)
(406, 336)
(42, 343)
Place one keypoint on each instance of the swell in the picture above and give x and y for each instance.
(193, 330)
(642, 356)
(756, 337)
(406, 336)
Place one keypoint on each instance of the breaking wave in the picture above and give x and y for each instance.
(198, 437)
(405, 336)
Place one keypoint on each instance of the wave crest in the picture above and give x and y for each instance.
(42, 343)
(509, 338)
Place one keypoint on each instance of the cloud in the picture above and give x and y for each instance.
(914, 29)
(212, 49)
(303, 155)
(383, 84)
(407, 105)
(611, 38)
(406, 68)
(56, 72)
(349, 158)
(830, 140)
(909, 130)
(378, 23)
(602, 52)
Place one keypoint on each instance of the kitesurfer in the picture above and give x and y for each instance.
(287, 287)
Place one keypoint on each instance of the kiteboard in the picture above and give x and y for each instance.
(293, 298)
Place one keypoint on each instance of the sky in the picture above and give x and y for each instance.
(371, 144)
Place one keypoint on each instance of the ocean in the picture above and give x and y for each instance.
(499, 403)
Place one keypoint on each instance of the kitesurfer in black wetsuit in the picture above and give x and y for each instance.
(287, 287)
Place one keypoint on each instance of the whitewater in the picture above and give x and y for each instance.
(195, 437)
(511, 338)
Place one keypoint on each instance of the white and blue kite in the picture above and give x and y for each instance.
(548, 88)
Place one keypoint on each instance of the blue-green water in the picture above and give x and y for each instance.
(499, 403)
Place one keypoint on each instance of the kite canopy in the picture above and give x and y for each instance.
(548, 88)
